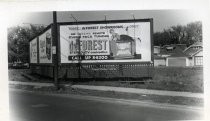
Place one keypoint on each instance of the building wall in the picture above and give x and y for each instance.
(192, 60)
(198, 60)
(198, 57)
(199, 53)
(156, 50)
(159, 62)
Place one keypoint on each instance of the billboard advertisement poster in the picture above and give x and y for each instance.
(111, 42)
(45, 47)
(33, 51)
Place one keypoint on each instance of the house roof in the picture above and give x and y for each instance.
(156, 46)
(175, 51)
(197, 52)
(181, 46)
(179, 50)
(158, 57)
(190, 51)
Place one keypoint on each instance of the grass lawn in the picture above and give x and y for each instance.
(178, 79)
(165, 78)
(16, 74)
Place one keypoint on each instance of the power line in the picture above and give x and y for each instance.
(134, 25)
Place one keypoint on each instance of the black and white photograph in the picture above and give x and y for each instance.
(106, 65)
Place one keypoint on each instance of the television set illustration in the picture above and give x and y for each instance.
(124, 47)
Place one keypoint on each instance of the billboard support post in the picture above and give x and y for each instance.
(55, 40)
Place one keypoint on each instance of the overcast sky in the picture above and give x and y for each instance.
(162, 18)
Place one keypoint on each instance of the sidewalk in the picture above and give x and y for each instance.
(117, 89)
(140, 91)
(31, 83)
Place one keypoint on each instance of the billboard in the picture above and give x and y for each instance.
(111, 42)
(33, 51)
(45, 47)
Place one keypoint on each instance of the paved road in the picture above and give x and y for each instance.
(28, 106)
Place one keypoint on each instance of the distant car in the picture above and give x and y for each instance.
(10, 65)
(26, 65)
(19, 65)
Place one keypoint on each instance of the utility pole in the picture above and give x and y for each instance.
(55, 42)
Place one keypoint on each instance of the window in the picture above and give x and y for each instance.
(198, 61)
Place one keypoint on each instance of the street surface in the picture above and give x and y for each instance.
(30, 106)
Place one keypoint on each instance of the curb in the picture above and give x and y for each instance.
(140, 91)
(116, 89)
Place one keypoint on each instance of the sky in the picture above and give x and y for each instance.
(162, 19)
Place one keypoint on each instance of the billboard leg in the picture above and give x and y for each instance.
(55, 77)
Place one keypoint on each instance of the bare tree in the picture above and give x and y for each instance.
(179, 34)
(18, 42)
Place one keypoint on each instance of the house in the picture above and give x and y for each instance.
(176, 57)
(159, 60)
(170, 55)
(195, 54)
(179, 55)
